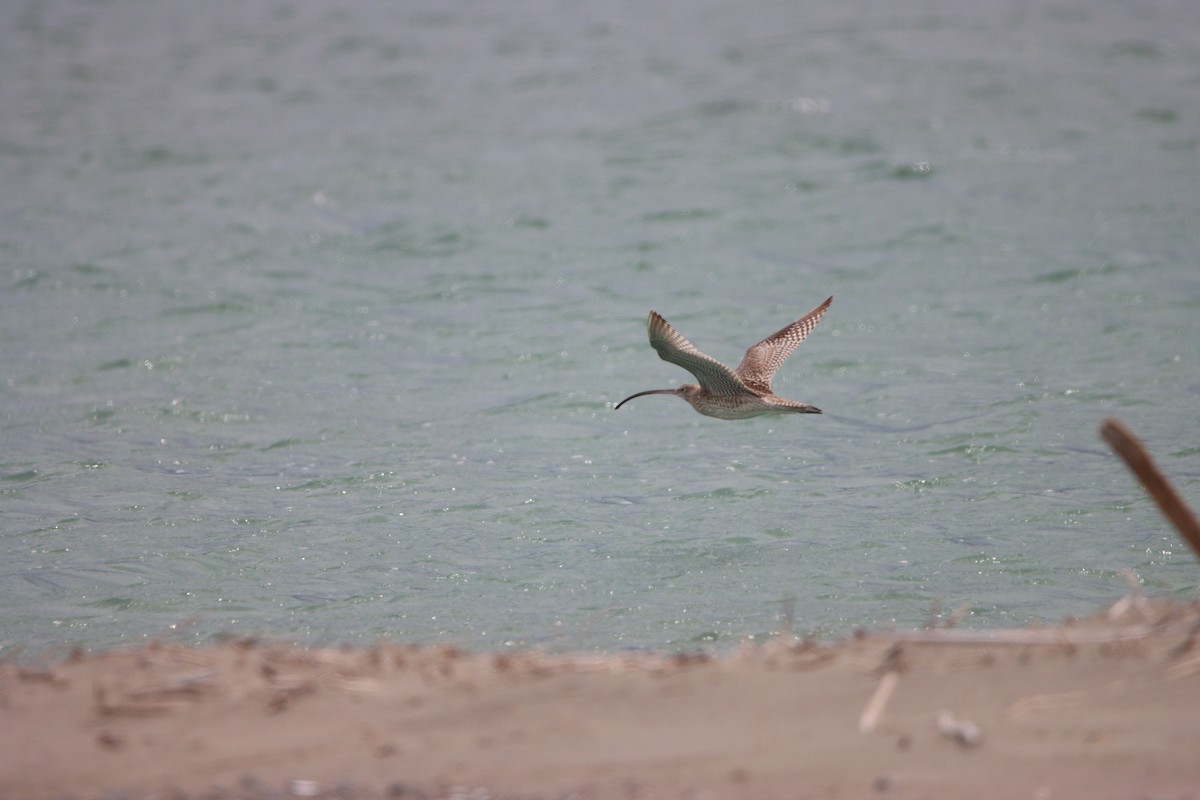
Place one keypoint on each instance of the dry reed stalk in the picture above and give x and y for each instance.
(878, 702)
(1138, 459)
(1022, 636)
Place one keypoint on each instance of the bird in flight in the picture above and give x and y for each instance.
(732, 393)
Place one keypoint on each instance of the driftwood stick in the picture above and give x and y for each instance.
(1024, 636)
(878, 702)
(1127, 446)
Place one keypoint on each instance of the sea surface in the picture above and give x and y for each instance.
(313, 316)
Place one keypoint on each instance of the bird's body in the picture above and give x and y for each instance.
(738, 393)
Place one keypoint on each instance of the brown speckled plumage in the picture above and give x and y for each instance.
(733, 393)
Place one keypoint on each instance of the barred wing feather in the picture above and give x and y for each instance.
(710, 373)
(763, 360)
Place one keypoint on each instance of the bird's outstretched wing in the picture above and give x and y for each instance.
(710, 373)
(762, 360)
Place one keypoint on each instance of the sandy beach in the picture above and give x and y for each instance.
(1104, 707)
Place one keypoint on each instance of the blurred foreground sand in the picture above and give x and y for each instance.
(1107, 707)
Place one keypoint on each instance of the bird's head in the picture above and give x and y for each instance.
(688, 391)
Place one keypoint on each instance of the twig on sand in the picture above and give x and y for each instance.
(1046, 702)
(878, 702)
(1023, 636)
(1138, 459)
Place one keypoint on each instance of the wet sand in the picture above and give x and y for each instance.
(1106, 707)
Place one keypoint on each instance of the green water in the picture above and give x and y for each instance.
(312, 319)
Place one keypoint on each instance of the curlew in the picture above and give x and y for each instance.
(732, 393)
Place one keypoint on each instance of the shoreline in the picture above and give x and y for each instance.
(1099, 707)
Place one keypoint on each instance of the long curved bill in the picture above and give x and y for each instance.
(639, 394)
